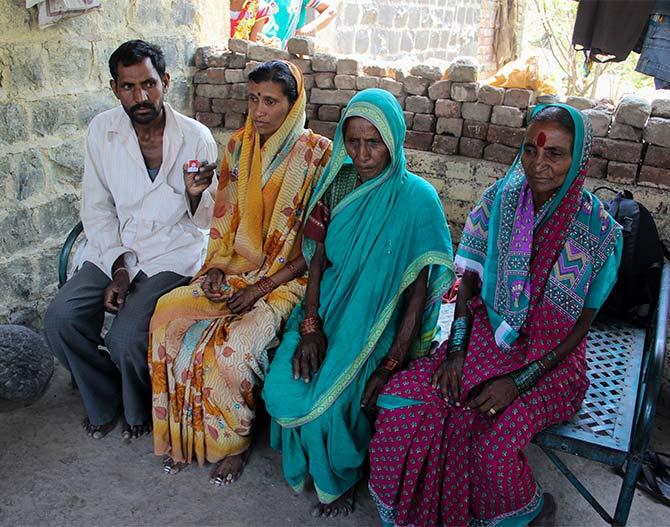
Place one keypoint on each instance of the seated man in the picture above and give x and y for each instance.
(141, 211)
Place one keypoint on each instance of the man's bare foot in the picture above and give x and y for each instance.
(229, 469)
(129, 432)
(170, 466)
(97, 431)
(342, 506)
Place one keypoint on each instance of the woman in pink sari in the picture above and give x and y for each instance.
(539, 255)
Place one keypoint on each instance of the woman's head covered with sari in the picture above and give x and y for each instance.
(502, 233)
(380, 236)
(266, 179)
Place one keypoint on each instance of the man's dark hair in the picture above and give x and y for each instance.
(279, 72)
(133, 52)
(556, 114)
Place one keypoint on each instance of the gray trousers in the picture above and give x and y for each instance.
(72, 325)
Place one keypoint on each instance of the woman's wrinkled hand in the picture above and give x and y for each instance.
(309, 355)
(495, 396)
(374, 385)
(244, 299)
(211, 286)
(448, 377)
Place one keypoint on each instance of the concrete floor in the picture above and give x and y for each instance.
(52, 474)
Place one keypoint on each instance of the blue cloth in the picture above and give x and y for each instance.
(655, 57)
(380, 237)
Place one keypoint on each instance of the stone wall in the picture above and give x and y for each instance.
(52, 82)
(462, 135)
(455, 117)
(394, 30)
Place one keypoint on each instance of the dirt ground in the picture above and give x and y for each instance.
(51, 473)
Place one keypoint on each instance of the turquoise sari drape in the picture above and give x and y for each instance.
(379, 239)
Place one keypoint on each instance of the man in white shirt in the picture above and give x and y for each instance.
(142, 213)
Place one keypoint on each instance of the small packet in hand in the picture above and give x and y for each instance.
(193, 165)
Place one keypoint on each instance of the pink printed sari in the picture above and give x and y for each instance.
(435, 464)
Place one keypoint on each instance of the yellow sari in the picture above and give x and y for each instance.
(207, 363)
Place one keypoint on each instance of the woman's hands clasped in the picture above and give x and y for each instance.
(309, 355)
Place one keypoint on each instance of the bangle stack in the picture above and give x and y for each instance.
(460, 334)
(295, 273)
(525, 378)
(266, 285)
(310, 325)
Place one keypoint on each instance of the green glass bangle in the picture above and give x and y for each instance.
(527, 377)
(460, 334)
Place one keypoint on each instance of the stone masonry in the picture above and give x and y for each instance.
(52, 82)
(461, 134)
(392, 30)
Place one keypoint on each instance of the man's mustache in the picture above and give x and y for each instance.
(141, 106)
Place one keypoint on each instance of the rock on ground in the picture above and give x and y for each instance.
(26, 364)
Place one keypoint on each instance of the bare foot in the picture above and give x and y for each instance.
(129, 432)
(344, 505)
(170, 466)
(229, 469)
(97, 431)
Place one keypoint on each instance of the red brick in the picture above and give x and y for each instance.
(657, 156)
(424, 122)
(500, 154)
(470, 147)
(447, 108)
(445, 145)
(209, 119)
(201, 104)
(329, 112)
(623, 151)
(419, 140)
(216, 75)
(506, 135)
(621, 172)
(229, 105)
(654, 177)
(323, 128)
(475, 129)
(597, 168)
(234, 120)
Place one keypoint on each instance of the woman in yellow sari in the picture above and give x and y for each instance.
(209, 340)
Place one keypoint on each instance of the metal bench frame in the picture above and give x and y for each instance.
(626, 446)
(627, 443)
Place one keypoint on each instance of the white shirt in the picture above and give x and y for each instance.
(124, 212)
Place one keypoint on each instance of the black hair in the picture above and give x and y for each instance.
(556, 114)
(279, 72)
(133, 52)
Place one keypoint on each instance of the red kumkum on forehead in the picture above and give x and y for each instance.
(541, 139)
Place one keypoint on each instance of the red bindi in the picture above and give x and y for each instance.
(541, 139)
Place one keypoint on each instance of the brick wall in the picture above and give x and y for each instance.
(52, 82)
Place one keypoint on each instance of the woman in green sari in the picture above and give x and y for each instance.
(380, 258)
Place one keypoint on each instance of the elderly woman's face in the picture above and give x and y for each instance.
(366, 148)
(268, 106)
(546, 159)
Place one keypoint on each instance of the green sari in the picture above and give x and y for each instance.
(380, 237)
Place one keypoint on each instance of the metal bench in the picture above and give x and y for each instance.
(614, 424)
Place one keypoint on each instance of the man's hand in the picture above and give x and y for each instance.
(244, 299)
(212, 285)
(197, 182)
(309, 355)
(115, 293)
